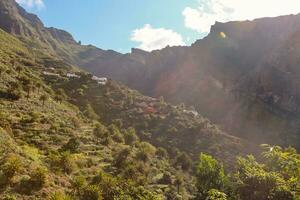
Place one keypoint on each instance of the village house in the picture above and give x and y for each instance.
(100, 80)
(192, 112)
(50, 73)
(72, 75)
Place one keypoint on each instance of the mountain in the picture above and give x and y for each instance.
(62, 132)
(67, 134)
(242, 76)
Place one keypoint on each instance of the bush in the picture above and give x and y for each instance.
(161, 152)
(91, 192)
(145, 151)
(118, 137)
(60, 196)
(38, 177)
(166, 179)
(67, 163)
(216, 195)
(100, 131)
(130, 136)
(12, 165)
(72, 145)
(121, 157)
(78, 184)
(9, 197)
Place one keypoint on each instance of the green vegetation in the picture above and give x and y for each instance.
(276, 177)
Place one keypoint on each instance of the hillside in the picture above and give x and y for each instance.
(61, 128)
(242, 81)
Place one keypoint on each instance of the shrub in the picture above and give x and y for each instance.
(9, 197)
(91, 192)
(60, 196)
(118, 137)
(78, 184)
(161, 152)
(130, 136)
(38, 177)
(72, 145)
(166, 179)
(184, 161)
(67, 162)
(145, 151)
(100, 131)
(216, 195)
(12, 165)
(121, 157)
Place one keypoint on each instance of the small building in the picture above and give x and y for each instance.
(50, 74)
(72, 75)
(100, 80)
(191, 112)
(149, 110)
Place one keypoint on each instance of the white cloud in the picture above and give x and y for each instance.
(209, 11)
(156, 38)
(39, 4)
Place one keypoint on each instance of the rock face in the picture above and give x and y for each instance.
(243, 75)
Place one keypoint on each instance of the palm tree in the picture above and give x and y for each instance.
(38, 85)
(19, 69)
(44, 98)
(28, 88)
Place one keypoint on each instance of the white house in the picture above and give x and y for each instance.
(50, 73)
(193, 112)
(100, 80)
(72, 75)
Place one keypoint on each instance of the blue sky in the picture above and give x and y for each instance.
(148, 24)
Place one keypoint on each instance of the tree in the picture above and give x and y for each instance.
(28, 87)
(44, 98)
(19, 69)
(184, 161)
(38, 86)
(254, 182)
(210, 175)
